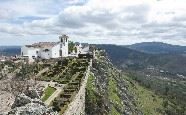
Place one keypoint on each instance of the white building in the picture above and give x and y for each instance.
(46, 50)
(82, 48)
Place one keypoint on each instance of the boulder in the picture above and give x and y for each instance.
(29, 103)
(21, 100)
(32, 93)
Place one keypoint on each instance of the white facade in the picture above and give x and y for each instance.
(82, 48)
(46, 50)
(29, 52)
(63, 46)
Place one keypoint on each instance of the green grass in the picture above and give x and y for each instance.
(114, 111)
(147, 101)
(48, 92)
(90, 89)
(113, 96)
(91, 99)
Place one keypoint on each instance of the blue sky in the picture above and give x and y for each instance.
(93, 21)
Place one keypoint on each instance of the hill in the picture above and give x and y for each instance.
(10, 50)
(112, 92)
(158, 48)
(163, 74)
(126, 58)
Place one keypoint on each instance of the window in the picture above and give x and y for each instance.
(61, 39)
(60, 52)
(46, 50)
(60, 45)
(37, 52)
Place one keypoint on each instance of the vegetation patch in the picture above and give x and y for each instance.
(114, 111)
(147, 101)
(91, 98)
(113, 96)
(48, 92)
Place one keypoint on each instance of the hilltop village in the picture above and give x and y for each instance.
(52, 50)
(46, 78)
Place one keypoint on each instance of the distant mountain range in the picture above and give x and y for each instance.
(144, 47)
(132, 58)
(10, 50)
(158, 48)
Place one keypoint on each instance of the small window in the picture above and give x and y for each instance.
(60, 52)
(37, 52)
(46, 50)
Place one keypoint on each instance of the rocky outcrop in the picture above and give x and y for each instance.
(108, 93)
(21, 100)
(28, 103)
(32, 109)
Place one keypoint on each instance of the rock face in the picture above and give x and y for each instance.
(28, 103)
(31, 109)
(106, 91)
(21, 100)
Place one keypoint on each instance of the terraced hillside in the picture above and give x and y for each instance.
(67, 79)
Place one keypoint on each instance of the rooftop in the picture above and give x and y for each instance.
(43, 45)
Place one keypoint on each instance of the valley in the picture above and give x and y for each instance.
(163, 74)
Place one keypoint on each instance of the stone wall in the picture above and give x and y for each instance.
(77, 106)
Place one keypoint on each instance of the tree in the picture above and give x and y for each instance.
(71, 46)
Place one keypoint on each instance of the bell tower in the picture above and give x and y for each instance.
(63, 45)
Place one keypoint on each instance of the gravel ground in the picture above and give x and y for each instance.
(6, 100)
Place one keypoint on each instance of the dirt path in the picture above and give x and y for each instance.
(42, 71)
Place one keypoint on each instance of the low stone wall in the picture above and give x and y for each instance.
(77, 106)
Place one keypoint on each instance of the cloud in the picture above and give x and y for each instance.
(114, 21)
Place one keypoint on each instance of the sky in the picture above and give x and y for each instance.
(119, 22)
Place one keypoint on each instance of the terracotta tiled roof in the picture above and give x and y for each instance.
(43, 45)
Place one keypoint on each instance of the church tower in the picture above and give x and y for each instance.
(63, 52)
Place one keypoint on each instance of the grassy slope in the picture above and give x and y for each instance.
(147, 101)
(48, 92)
(90, 89)
(112, 92)
(91, 99)
(113, 96)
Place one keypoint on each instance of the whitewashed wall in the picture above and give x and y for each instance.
(55, 51)
(46, 55)
(29, 51)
